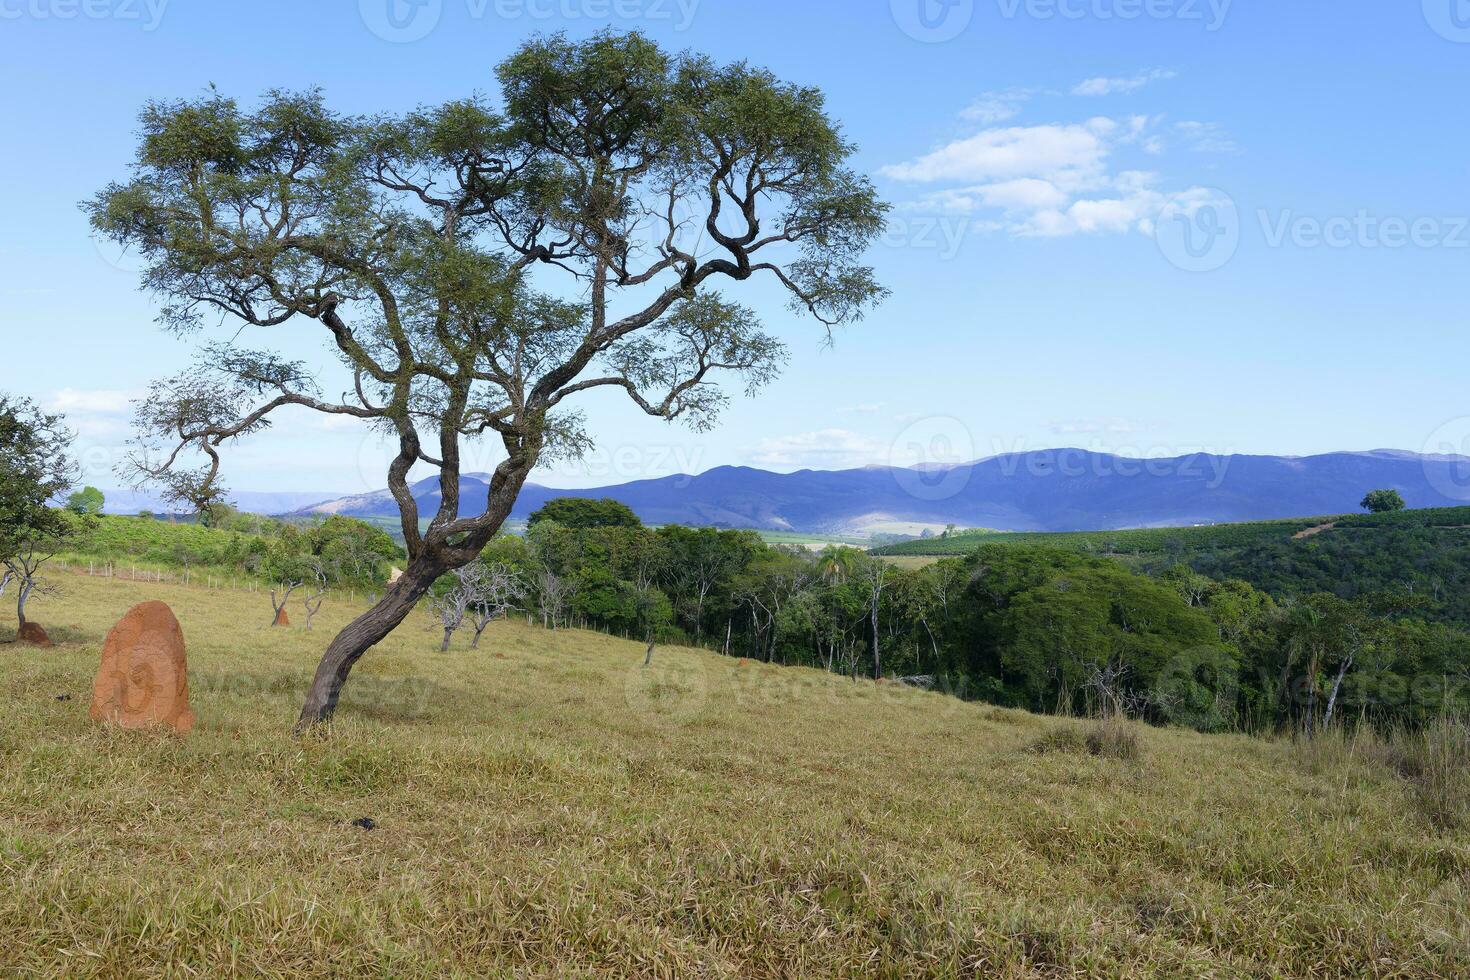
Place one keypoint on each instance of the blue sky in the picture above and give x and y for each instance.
(1146, 226)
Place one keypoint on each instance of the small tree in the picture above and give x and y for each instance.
(86, 502)
(580, 513)
(318, 579)
(481, 591)
(35, 468)
(289, 569)
(438, 253)
(552, 595)
(1383, 501)
(501, 590)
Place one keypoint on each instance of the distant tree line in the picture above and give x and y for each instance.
(1032, 627)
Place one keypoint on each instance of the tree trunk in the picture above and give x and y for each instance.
(1347, 665)
(444, 647)
(648, 657)
(877, 655)
(360, 636)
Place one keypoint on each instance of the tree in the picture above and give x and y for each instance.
(434, 251)
(699, 560)
(318, 595)
(875, 579)
(500, 590)
(35, 468)
(1383, 501)
(86, 502)
(579, 513)
(453, 603)
(290, 567)
(352, 550)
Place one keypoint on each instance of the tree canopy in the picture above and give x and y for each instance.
(1383, 501)
(582, 512)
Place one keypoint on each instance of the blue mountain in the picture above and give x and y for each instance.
(1051, 490)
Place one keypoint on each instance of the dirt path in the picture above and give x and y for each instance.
(1309, 532)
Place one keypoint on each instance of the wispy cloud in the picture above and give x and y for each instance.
(997, 107)
(1099, 426)
(867, 408)
(1100, 86)
(1059, 178)
(1206, 137)
(823, 449)
(1073, 152)
(107, 400)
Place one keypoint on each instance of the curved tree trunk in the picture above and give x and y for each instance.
(360, 636)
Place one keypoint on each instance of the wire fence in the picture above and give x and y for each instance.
(205, 578)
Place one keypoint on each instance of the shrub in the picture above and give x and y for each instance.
(1064, 738)
(1436, 762)
(1113, 740)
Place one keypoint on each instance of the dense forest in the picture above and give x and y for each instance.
(1024, 625)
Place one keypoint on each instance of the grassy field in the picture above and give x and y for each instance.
(545, 806)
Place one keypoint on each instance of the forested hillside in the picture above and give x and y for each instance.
(1245, 627)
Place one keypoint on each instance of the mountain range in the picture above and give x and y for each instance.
(1051, 490)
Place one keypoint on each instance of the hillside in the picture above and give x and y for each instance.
(1054, 490)
(1185, 540)
(545, 806)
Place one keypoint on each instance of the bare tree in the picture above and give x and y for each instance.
(452, 606)
(482, 592)
(278, 607)
(552, 592)
(436, 250)
(24, 568)
(313, 602)
(875, 577)
(501, 590)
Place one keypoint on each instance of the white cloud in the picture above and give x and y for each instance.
(1051, 180)
(103, 400)
(824, 449)
(1094, 87)
(996, 107)
(1073, 152)
(1203, 137)
(1110, 426)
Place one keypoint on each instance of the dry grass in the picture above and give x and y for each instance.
(557, 810)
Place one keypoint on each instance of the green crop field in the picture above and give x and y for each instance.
(546, 806)
(1157, 541)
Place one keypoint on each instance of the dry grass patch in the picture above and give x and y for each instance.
(563, 811)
